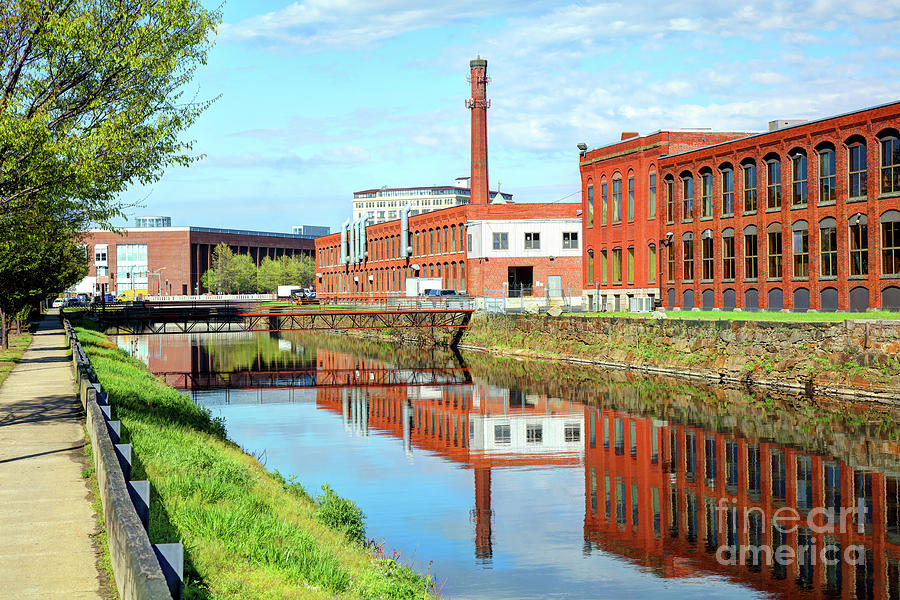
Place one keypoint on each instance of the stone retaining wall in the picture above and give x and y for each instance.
(854, 359)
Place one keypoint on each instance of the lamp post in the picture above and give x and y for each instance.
(158, 280)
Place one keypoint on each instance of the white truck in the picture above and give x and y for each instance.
(417, 286)
(285, 291)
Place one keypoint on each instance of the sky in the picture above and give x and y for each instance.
(318, 99)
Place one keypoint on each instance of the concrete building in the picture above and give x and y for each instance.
(485, 246)
(384, 204)
(169, 261)
(805, 216)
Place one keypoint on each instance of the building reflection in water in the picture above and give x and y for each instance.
(676, 498)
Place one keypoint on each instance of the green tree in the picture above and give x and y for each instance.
(92, 98)
(269, 275)
(39, 256)
(220, 277)
(306, 268)
(244, 270)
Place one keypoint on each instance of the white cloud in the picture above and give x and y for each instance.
(769, 78)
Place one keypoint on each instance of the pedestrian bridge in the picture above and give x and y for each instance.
(151, 318)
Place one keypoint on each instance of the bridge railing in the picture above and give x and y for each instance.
(403, 302)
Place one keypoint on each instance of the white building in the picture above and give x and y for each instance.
(384, 204)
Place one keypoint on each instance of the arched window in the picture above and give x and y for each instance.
(858, 225)
(630, 196)
(453, 239)
(706, 185)
(798, 177)
(687, 254)
(857, 171)
(687, 196)
(800, 249)
(706, 244)
(616, 266)
(589, 195)
(828, 248)
(462, 276)
(629, 264)
(670, 199)
(651, 263)
(446, 239)
(590, 267)
(616, 199)
(890, 243)
(889, 141)
(728, 256)
(651, 196)
(727, 174)
(827, 172)
(748, 170)
(774, 248)
(603, 202)
(751, 253)
(773, 181)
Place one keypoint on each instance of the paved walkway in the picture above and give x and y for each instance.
(45, 514)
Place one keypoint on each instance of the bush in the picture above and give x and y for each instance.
(341, 514)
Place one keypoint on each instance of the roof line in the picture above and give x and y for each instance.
(780, 129)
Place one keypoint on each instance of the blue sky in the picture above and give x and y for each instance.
(323, 98)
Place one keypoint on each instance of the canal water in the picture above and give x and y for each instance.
(517, 479)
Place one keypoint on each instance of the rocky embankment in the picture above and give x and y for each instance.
(849, 359)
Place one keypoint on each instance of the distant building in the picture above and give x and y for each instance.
(310, 230)
(162, 260)
(143, 222)
(384, 204)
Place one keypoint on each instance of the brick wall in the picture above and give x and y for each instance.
(837, 132)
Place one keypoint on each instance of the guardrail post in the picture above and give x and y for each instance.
(123, 453)
(140, 497)
(115, 429)
(171, 559)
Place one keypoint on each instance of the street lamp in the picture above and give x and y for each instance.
(158, 280)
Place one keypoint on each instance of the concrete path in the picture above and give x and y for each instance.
(46, 518)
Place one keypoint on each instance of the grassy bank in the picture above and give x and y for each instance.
(8, 358)
(247, 533)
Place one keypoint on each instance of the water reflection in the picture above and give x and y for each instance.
(680, 484)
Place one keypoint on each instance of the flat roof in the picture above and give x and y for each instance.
(461, 190)
(275, 234)
(787, 127)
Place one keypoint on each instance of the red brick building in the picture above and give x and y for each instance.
(620, 214)
(169, 261)
(480, 249)
(803, 217)
(490, 249)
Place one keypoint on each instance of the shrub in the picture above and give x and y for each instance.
(341, 514)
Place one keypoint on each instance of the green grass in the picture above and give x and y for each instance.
(101, 538)
(784, 317)
(247, 533)
(8, 358)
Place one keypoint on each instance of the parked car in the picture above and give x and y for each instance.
(60, 302)
(440, 293)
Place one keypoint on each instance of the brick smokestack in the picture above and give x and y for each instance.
(479, 104)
